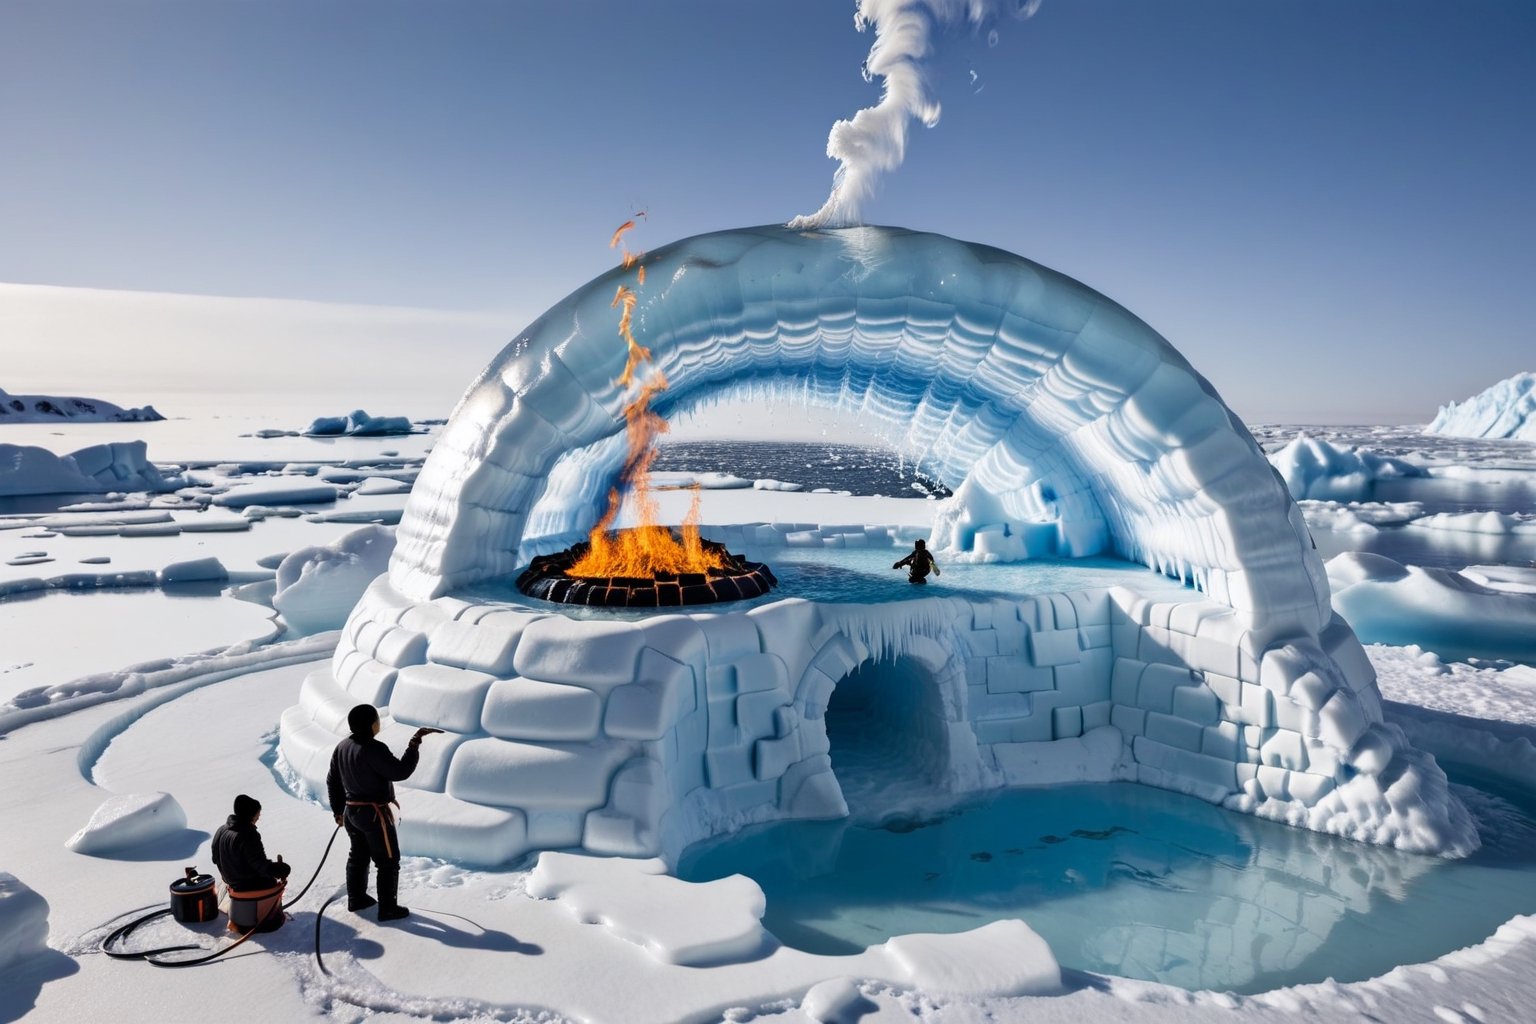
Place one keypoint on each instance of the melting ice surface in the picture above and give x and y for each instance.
(1139, 882)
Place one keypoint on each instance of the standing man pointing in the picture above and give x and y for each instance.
(361, 785)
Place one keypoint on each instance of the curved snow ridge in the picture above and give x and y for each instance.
(172, 676)
(1505, 410)
(1059, 403)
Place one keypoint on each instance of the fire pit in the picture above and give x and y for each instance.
(733, 579)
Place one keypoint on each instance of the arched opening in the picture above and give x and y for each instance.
(888, 736)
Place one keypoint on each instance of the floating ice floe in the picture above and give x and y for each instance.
(196, 570)
(271, 491)
(1313, 468)
(118, 466)
(1492, 523)
(1505, 410)
(127, 821)
(1514, 579)
(1454, 613)
(1358, 516)
(358, 424)
(1063, 423)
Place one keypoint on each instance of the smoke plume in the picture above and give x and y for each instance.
(875, 140)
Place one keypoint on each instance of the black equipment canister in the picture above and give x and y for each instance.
(193, 899)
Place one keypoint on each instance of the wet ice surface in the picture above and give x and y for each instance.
(1139, 882)
(56, 637)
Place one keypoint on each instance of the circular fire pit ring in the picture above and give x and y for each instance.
(547, 578)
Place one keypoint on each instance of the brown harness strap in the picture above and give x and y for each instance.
(386, 819)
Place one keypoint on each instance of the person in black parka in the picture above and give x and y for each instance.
(240, 857)
(918, 564)
(361, 786)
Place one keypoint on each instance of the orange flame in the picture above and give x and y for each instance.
(648, 548)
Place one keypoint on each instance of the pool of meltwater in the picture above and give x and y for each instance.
(1143, 883)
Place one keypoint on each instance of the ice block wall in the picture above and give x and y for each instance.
(640, 737)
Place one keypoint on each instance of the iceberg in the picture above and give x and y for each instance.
(1061, 423)
(1505, 410)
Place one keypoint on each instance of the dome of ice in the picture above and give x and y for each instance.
(1057, 400)
(1041, 402)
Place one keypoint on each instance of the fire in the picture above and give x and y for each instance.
(648, 548)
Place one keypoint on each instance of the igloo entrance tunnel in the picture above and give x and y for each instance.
(1067, 427)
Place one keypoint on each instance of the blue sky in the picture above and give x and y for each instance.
(1325, 205)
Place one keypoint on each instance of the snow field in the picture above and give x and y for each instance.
(482, 949)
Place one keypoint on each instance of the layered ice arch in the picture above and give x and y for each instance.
(1044, 404)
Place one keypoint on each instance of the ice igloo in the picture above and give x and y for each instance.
(1045, 404)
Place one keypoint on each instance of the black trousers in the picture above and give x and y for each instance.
(374, 841)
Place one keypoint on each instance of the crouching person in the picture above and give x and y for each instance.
(254, 884)
(361, 786)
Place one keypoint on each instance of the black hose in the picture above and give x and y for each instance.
(327, 853)
(318, 918)
(148, 955)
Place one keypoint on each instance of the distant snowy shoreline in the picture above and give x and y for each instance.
(55, 408)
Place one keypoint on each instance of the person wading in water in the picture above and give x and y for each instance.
(919, 563)
(361, 785)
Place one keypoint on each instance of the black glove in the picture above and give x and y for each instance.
(281, 871)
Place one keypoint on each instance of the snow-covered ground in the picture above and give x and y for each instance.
(117, 704)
